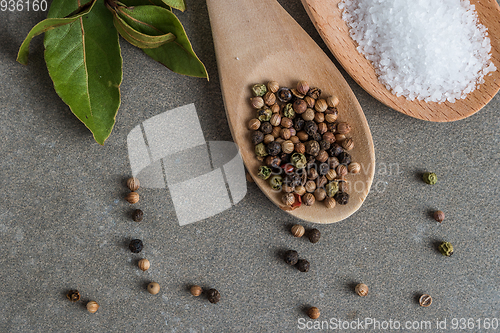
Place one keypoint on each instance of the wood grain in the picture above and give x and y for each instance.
(327, 18)
(258, 41)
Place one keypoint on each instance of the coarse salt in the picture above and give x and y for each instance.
(429, 50)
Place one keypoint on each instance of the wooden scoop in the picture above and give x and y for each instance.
(327, 18)
(258, 41)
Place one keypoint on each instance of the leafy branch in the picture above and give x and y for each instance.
(83, 54)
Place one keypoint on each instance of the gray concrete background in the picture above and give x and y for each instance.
(64, 224)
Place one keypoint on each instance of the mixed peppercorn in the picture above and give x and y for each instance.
(303, 146)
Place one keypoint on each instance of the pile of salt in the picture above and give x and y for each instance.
(424, 49)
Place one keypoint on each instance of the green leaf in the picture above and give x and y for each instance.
(177, 55)
(49, 24)
(177, 4)
(133, 3)
(136, 38)
(85, 64)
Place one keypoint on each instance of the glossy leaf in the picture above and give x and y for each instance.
(177, 4)
(177, 55)
(137, 38)
(134, 3)
(85, 64)
(49, 24)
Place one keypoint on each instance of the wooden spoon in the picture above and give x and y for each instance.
(258, 41)
(327, 18)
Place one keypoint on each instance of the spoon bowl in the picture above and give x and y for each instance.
(258, 41)
(327, 18)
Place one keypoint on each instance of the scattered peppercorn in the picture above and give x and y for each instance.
(314, 235)
(425, 300)
(313, 312)
(143, 264)
(133, 184)
(213, 296)
(196, 290)
(361, 289)
(73, 295)
(137, 215)
(439, 216)
(291, 257)
(446, 249)
(298, 230)
(92, 307)
(132, 197)
(430, 178)
(303, 265)
(153, 288)
(135, 245)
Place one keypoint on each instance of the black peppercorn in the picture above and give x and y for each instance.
(273, 148)
(291, 257)
(314, 235)
(316, 136)
(332, 127)
(137, 215)
(314, 92)
(341, 197)
(312, 147)
(273, 161)
(310, 127)
(213, 296)
(303, 265)
(266, 127)
(324, 145)
(284, 95)
(73, 295)
(298, 124)
(335, 150)
(135, 245)
(293, 179)
(257, 137)
(344, 158)
(323, 169)
(285, 158)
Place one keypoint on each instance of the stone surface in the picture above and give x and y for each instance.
(65, 225)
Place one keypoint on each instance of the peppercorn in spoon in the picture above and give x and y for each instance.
(327, 17)
(257, 42)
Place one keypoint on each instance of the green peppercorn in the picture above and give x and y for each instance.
(264, 114)
(259, 89)
(446, 249)
(342, 198)
(332, 188)
(303, 265)
(314, 235)
(430, 178)
(137, 215)
(298, 160)
(288, 111)
(136, 245)
(291, 257)
(213, 296)
(264, 172)
(276, 182)
(260, 150)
